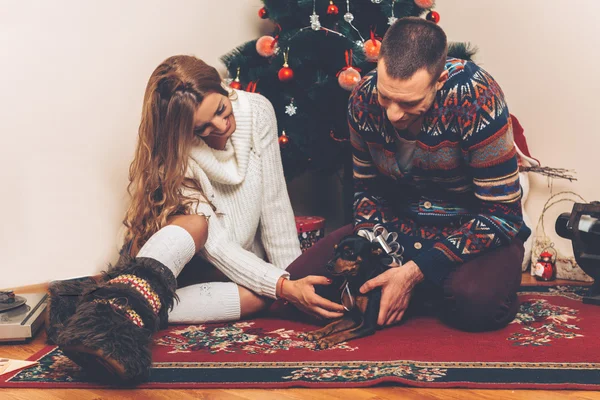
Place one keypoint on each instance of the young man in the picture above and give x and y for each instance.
(434, 161)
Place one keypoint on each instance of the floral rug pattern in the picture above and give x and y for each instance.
(366, 373)
(240, 337)
(544, 322)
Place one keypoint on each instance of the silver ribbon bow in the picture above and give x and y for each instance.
(387, 241)
(347, 293)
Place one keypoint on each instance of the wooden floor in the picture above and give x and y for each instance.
(378, 393)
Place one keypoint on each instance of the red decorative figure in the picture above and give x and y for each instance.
(263, 13)
(544, 269)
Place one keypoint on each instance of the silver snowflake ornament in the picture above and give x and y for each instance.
(291, 109)
(391, 20)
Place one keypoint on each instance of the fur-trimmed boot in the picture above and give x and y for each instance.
(63, 299)
(110, 333)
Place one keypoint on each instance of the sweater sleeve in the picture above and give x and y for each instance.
(487, 143)
(277, 226)
(241, 266)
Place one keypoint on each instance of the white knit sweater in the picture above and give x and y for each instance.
(254, 219)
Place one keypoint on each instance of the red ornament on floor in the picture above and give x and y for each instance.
(433, 16)
(332, 9)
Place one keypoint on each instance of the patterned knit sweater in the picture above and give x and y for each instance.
(252, 237)
(461, 196)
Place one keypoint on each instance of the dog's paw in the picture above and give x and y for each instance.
(323, 344)
(312, 336)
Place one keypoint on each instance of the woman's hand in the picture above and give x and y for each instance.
(302, 294)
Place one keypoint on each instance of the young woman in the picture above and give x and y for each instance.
(206, 180)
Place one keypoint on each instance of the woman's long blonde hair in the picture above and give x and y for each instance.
(157, 173)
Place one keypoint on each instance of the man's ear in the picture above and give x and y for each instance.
(441, 80)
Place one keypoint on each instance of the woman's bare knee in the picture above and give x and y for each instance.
(196, 225)
(250, 302)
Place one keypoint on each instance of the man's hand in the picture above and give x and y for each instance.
(396, 285)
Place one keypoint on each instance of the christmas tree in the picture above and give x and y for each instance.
(309, 64)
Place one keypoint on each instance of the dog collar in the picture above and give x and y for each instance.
(387, 241)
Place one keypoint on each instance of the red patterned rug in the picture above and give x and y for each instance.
(552, 344)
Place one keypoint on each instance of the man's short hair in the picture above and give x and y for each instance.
(411, 44)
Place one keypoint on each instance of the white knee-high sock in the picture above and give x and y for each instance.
(206, 302)
(172, 246)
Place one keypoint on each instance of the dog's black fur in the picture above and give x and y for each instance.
(357, 260)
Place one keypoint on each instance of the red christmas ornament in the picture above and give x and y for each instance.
(348, 77)
(283, 139)
(332, 9)
(372, 47)
(425, 3)
(544, 269)
(266, 46)
(433, 16)
(236, 84)
(286, 73)
(263, 13)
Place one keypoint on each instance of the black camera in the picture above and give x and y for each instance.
(582, 227)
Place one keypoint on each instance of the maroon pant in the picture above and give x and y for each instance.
(479, 295)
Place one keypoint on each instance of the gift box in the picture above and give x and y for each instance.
(310, 231)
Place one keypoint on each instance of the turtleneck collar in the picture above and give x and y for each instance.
(228, 166)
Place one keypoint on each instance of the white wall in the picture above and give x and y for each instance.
(73, 77)
(74, 73)
(544, 54)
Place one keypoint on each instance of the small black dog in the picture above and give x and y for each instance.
(357, 260)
